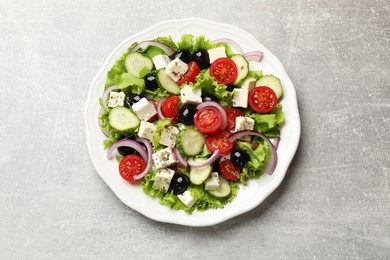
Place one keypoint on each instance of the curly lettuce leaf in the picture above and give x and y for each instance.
(186, 41)
(130, 83)
(168, 41)
(202, 43)
(204, 200)
(160, 125)
(257, 163)
(210, 86)
(268, 124)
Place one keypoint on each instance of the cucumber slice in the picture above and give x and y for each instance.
(122, 119)
(242, 68)
(190, 141)
(167, 83)
(199, 175)
(224, 188)
(273, 83)
(138, 65)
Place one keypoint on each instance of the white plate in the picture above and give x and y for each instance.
(249, 196)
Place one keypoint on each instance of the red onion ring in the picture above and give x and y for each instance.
(159, 105)
(106, 92)
(274, 156)
(128, 143)
(254, 56)
(149, 161)
(209, 161)
(104, 131)
(180, 160)
(230, 42)
(162, 46)
(217, 106)
(275, 142)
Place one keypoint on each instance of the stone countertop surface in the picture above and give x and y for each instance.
(334, 202)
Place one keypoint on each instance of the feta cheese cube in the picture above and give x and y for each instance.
(116, 99)
(240, 97)
(244, 123)
(176, 69)
(217, 53)
(168, 136)
(187, 199)
(249, 83)
(161, 61)
(163, 179)
(212, 182)
(163, 158)
(189, 95)
(146, 130)
(144, 109)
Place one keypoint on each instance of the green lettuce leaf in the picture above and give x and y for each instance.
(210, 86)
(268, 124)
(160, 125)
(205, 200)
(202, 43)
(186, 41)
(130, 83)
(257, 163)
(255, 74)
(168, 41)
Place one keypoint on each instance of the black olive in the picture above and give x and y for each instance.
(209, 97)
(179, 183)
(239, 158)
(186, 114)
(202, 58)
(184, 55)
(151, 81)
(125, 150)
(132, 98)
(230, 88)
(216, 166)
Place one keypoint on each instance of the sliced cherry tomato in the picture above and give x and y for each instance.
(262, 99)
(224, 70)
(232, 113)
(219, 141)
(130, 166)
(229, 170)
(208, 120)
(192, 72)
(170, 108)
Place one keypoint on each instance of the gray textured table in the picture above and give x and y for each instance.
(333, 203)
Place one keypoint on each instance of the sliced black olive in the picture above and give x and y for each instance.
(184, 55)
(179, 183)
(132, 98)
(202, 58)
(209, 97)
(151, 81)
(186, 114)
(239, 157)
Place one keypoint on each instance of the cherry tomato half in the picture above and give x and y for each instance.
(219, 141)
(208, 120)
(232, 113)
(192, 72)
(170, 108)
(224, 70)
(262, 99)
(130, 166)
(229, 170)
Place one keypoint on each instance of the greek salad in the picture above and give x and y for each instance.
(189, 121)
